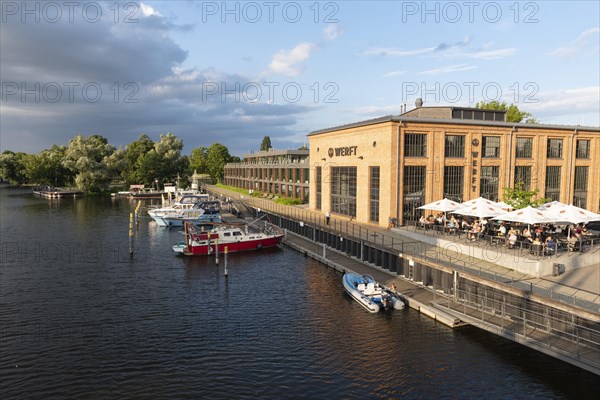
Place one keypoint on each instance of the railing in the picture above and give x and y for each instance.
(562, 246)
(393, 244)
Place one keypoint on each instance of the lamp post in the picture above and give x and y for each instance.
(156, 183)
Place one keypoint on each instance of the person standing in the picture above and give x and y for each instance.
(327, 217)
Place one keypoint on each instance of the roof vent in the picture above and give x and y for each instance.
(419, 102)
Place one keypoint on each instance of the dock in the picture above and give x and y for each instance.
(49, 192)
(557, 315)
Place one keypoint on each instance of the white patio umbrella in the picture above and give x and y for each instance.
(444, 205)
(480, 211)
(527, 215)
(480, 201)
(504, 206)
(571, 214)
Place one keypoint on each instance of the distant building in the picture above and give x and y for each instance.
(278, 172)
(387, 167)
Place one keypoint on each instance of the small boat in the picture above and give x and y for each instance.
(369, 294)
(230, 238)
(188, 207)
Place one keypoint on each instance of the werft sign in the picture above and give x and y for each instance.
(342, 151)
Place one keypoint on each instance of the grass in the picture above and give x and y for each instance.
(288, 201)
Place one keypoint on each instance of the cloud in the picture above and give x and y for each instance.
(289, 62)
(444, 50)
(587, 41)
(144, 88)
(332, 32)
(448, 69)
(393, 74)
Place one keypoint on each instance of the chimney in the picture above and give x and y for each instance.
(419, 103)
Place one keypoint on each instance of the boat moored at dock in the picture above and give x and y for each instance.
(232, 238)
(369, 294)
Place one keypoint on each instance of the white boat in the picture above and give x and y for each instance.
(369, 294)
(186, 208)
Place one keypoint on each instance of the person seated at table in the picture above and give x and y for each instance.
(550, 244)
(527, 234)
(512, 238)
(536, 246)
(502, 230)
(422, 221)
(465, 225)
(572, 241)
(452, 225)
(474, 232)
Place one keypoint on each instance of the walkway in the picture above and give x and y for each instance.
(580, 287)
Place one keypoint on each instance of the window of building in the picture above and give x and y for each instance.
(583, 149)
(523, 174)
(553, 183)
(454, 183)
(415, 145)
(374, 194)
(581, 187)
(491, 147)
(455, 146)
(524, 147)
(413, 192)
(488, 182)
(554, 148)
(343, 190)
(318, 188)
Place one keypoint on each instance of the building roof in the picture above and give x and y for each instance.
(401, 118)
(273, 152)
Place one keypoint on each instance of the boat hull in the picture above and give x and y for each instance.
(364, 301)
(203, 249)
(378, 299)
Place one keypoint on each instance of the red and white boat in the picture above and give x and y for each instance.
(232, 238)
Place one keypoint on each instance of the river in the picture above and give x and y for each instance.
(79, 318)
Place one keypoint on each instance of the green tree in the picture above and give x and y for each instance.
(116, 163)
(85, 158)
(47, 167)
(199, 160)
(513, 114)
(12, 169)
(265, 144)
(218, 155)
(134, 151)
(518, 197)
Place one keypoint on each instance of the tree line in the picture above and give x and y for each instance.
(91, 164)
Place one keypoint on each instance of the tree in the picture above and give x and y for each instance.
(513, 114)
(518, 197)
(218, 155)
(173, 164)
(199, 160)
(85, 158)
(47, 167)
(134, 151)
(11, 167)
(266, 144)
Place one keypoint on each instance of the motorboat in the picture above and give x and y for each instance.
(187, 207)
(369, 294)
(228, 238)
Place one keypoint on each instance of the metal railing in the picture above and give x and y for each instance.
(444, 256)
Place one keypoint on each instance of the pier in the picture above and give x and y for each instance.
(559, 316)
(50, 192)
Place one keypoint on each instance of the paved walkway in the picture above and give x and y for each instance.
(580, 287)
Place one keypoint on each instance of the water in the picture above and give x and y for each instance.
(80, 319)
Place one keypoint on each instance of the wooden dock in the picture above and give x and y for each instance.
(56, 193)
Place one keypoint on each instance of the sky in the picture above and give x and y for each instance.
(233, 72)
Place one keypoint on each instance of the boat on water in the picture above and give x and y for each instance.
(233, 238)
(369, 294)
(188, 207)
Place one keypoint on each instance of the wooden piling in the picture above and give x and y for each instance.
(225, 261)
(217, 251)
(131, 234)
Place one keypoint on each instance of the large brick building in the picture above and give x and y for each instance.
(387, 167)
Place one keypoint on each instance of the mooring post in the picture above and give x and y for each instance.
(217, 251)
(131, 234)
(225, 261)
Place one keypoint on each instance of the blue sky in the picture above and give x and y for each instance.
(234, 72)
